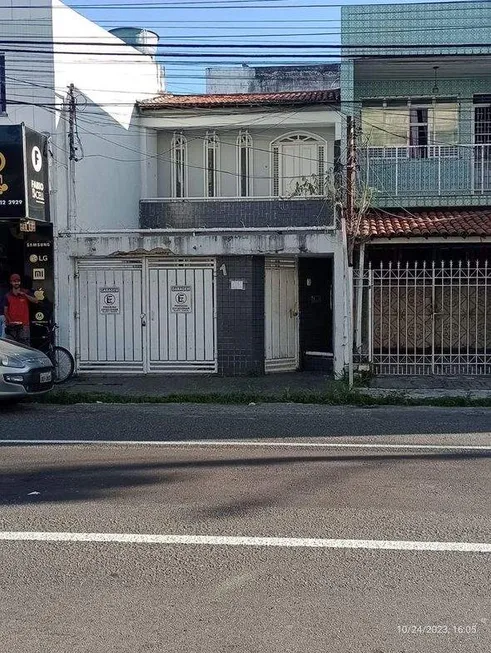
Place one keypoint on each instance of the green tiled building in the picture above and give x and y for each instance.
(416, 78)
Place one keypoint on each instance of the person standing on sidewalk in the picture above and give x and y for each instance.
(16, 311)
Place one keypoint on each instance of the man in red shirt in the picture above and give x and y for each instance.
(16, 311)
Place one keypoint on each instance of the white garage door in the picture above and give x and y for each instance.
(146, 315)
(181, 316)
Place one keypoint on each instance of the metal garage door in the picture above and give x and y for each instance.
(110, 314)
(146, 315)
(181, 316)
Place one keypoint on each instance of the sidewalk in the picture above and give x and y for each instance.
(477, 387)
(280, 385)
(162, 385)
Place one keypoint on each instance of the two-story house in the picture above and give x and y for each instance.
(417, 81)
(238, 263)
(186, 234)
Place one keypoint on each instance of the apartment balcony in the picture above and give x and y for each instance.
(428, 175)
(236, 213)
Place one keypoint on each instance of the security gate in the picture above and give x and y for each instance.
(146, 315)
(429, 319)
(281, 315)
(181, 317)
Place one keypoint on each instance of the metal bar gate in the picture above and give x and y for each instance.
(423, 318)
(146, 315)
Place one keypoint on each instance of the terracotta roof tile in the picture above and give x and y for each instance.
(445, 222)
(169, 101)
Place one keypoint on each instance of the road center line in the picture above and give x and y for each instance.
(221, 540)
(253, 443)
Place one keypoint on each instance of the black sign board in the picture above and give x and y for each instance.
(24, 181)
(39, 275)
(37, 180)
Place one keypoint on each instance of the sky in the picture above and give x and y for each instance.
(223, 22)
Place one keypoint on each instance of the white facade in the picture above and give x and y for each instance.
(102, 189)
(108, 78)
(123, 157)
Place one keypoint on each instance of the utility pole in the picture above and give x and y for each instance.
(349, 238)
(72, 158)
(350, 187)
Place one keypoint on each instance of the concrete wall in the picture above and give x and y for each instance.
(271, 79)
(108, 79)
(227, 159)
(108, 82)
(242, 331)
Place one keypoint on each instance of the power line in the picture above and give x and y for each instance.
(462, 5)
(262, 46)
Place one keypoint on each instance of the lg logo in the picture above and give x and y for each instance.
(34, 258)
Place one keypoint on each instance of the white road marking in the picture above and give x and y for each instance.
(253, 443)
(222, 540)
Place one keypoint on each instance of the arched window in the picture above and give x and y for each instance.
(298, 165)
(244, 164)
(211, 164)
(179, 165)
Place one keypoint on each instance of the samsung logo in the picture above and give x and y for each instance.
(45, 244)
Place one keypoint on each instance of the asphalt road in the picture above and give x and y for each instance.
(196, 421)
(221, 596)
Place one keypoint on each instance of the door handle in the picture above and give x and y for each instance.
(293, 312)
(143, 318)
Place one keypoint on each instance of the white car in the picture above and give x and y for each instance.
(24, 371)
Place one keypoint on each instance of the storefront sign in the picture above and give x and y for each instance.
(27, 226)
(109, 301)
(181, 299)
(24, 180)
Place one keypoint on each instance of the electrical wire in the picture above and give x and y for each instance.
(240, 46)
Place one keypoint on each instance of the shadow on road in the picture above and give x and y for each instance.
(104, 481)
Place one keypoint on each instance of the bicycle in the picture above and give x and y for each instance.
(62, 360)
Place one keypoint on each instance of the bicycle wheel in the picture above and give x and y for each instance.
(63, 363)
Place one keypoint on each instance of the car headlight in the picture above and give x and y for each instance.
(11, 361)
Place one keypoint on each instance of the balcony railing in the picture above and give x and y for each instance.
(236, 213)
(428, 169)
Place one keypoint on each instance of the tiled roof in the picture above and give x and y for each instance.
(169, 101)
(442, 223)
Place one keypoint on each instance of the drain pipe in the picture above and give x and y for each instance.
(359, 295)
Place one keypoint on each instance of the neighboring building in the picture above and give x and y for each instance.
(418, 84)
(97, 162)
(272, 79)
(237, 268)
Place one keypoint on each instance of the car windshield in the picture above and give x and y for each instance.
(13, 348)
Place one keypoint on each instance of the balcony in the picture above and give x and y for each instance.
(236, 213)
(428, 174)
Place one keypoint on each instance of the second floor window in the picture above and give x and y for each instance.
(421, 128)
(211, 164)
(244, 155)
(179, 155)
(419, 131)
(298, 166)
